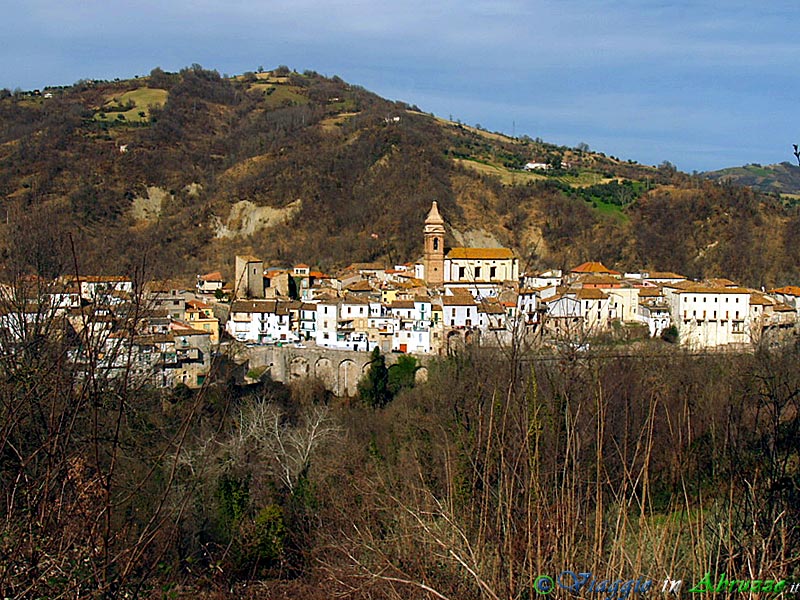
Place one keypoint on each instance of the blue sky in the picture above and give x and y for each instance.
(702, 84)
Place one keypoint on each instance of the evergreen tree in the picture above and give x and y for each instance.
(402, 374)
(374, 388)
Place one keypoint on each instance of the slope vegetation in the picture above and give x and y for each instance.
(348, 176)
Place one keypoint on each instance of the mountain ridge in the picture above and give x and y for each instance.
(781, 178)
(297, 167)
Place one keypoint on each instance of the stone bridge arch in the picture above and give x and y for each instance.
(323, 370)
(298, 368)
(455, 343)
(348, 376)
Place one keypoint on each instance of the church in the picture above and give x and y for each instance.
(479, 270)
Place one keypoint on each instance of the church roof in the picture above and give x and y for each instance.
(434, 218)
(481, 253)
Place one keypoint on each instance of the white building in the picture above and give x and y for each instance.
(709, 317)
(653, 310)
(260, 322)
(459, 311)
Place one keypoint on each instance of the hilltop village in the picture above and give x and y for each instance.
(452, 297)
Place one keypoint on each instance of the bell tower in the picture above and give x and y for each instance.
(433, 260)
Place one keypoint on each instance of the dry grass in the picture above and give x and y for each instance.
(245, 168)
(333, 123)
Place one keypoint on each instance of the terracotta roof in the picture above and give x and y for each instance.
(555, 297)
(164, 285)
(254, 306)
(760, 299)
(359, 286)
(179, 328)
(354, 300)
(781, 307)
(373, 266)
(594, 267)
(720, 282)
(599, 279)
(650, 292)
(533, 290)
(664, 275)
(301, 266)
(480, 253)
(197, 304)
(697, 288)
(491, 309)
(589, 294)
(402, 304)
(213, 276)
(459, 300)
(787, 290)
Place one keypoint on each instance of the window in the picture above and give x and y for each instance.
(435, 243)
(461, 272)
(477, 272)
(492, 272)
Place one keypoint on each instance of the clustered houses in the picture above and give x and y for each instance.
(165, 334)
(160, 335)
(461, 295)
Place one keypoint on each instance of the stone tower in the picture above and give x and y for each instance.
(433, 260)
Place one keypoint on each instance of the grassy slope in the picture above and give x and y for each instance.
(142, 98)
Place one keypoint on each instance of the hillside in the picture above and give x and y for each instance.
(783, 178)
(176, 172)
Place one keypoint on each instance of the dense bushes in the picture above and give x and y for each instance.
(471, 484)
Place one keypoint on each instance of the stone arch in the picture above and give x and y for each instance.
(454, 341)
(323, 370)
(298, 368)
(348, 377)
